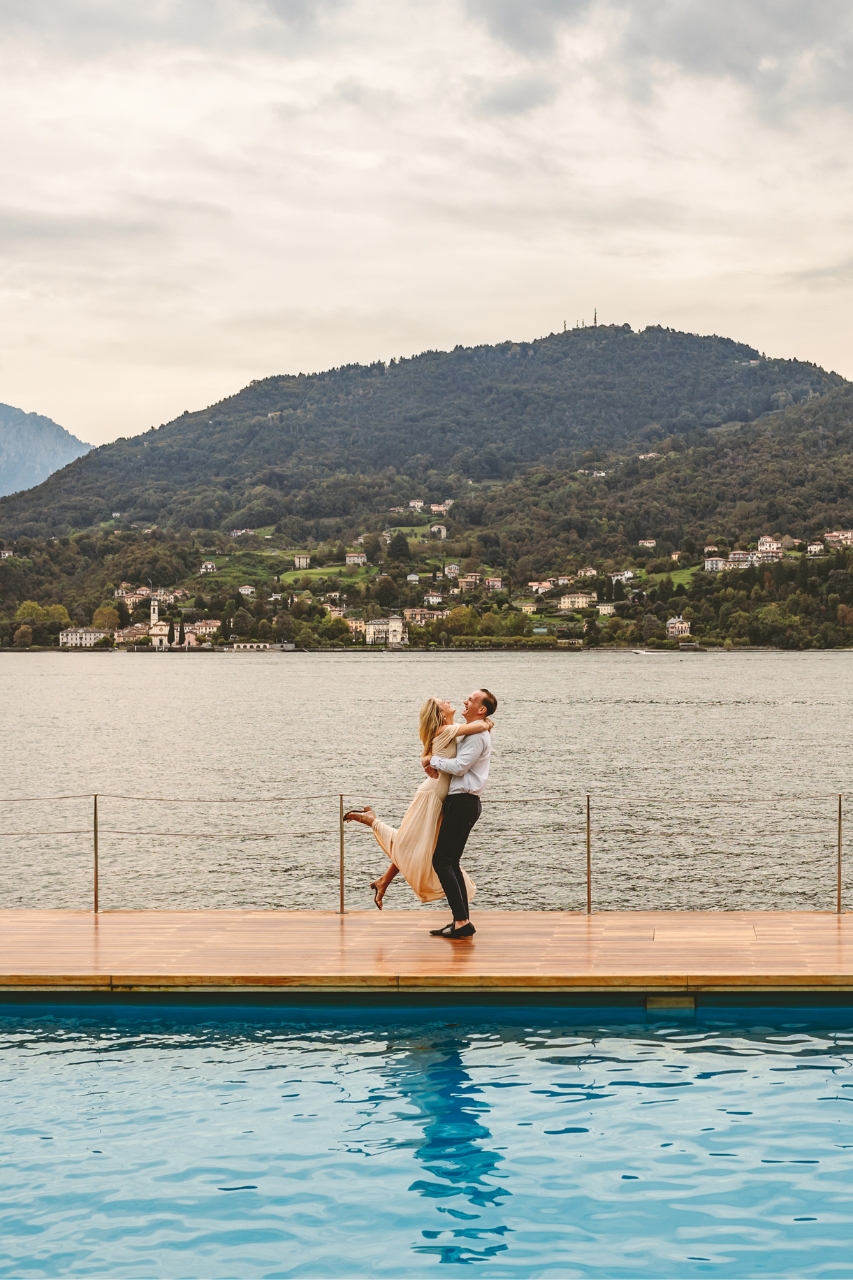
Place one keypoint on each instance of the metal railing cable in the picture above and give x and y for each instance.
(321, 795)
(591, 808)
(82, 795)
(213, 835)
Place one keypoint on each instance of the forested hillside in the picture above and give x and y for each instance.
(322, 452)
(789, 474)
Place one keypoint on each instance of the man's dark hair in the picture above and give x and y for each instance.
(490, 702)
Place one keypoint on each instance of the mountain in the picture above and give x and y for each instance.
(318, 453)
(32, 447)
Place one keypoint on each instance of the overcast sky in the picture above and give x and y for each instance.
(201, 192)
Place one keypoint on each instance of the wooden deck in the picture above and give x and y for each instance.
(513, 952)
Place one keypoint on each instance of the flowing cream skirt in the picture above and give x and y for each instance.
(411, 845)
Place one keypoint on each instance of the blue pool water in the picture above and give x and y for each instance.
(512, 1143)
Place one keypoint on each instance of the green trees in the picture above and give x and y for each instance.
(106, 618)
(398, 548)
(242, 623)
(30, 611)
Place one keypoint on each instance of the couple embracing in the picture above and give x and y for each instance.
(427, 846)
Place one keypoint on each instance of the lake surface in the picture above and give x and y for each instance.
(518, 1143)
(713, 776)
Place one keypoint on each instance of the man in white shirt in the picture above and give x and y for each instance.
(469, 772)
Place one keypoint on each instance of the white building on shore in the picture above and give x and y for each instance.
(390, 631)
(81, 637)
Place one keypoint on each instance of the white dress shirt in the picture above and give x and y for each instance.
(470, 769)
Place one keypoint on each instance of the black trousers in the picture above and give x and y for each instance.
(458, 815)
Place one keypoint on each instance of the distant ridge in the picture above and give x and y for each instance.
(32, 447)
(317, 453)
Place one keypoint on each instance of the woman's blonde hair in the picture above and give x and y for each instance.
(431, 720)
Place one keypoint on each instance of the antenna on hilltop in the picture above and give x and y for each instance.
(564, 326)
(595, 317)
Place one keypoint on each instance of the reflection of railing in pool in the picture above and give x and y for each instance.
(96, 830)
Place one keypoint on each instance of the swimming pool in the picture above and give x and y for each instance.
(175, 1142)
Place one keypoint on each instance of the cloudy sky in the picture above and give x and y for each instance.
(196, 193)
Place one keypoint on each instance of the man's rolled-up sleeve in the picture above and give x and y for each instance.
(468, 749)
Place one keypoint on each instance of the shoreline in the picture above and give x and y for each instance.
(528, 650)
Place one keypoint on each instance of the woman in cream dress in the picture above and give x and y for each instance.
(410, 846)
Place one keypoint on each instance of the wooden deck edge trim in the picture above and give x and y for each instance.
(49, 982)
(434, 985)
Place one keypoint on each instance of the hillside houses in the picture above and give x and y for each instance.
(423, 617)
(768, 551)
(577, 600)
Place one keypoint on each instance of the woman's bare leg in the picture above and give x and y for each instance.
(381, 883)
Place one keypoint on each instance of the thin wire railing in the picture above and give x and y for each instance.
(600, 823)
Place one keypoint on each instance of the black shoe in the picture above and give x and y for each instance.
(446, 932)
(464, 931)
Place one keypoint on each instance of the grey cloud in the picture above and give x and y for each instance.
(515, 95)
(784, 52)
(18, 225)
(99, 28)
(826, 276)
(532, 27)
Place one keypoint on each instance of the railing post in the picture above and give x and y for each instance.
(838, 871)
(341, 910)
(95, 845)
(588, 860)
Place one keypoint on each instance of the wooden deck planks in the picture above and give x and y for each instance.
(512, 951)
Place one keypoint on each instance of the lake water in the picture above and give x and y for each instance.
(713, 776)
(517, 1144)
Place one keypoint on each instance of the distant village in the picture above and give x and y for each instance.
(398, 589)
(552, 600)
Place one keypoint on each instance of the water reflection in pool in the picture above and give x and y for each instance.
(518, 1144)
